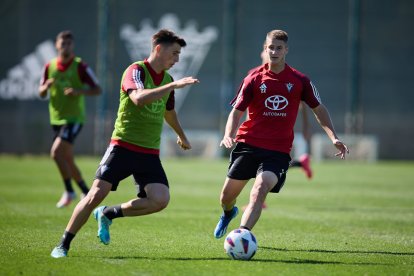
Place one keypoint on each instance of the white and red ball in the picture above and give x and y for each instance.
(240, 244)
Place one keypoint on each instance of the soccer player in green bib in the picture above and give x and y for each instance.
(146, 100)
(68, 79)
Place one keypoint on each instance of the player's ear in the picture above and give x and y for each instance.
(157, 49)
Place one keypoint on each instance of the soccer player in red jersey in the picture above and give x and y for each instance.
(303, 161)
(271, 94)
(67, 79)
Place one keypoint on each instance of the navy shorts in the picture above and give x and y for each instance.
(118, 163)
(67, 132)
(248, 161)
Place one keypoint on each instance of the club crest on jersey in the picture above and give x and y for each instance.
(289, 86)
(263, 88)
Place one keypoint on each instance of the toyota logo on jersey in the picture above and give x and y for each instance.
(276, 102)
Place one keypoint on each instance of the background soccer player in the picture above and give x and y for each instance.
(271, 93)
(146, 99)
(68, 79)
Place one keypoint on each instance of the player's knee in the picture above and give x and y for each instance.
(97, 193)
(92, 200)
(268, 178)
(53, 154)
(264, 183)
(56, 153)
(160, 202)
(160, 205)
(260, 190)
(158, 196)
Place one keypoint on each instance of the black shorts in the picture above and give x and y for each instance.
(118, 163)
(67, 132)
(247, 161)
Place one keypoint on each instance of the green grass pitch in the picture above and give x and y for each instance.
(351, 219)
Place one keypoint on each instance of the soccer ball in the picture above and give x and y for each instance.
(240, 244)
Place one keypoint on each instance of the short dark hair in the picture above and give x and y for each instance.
(65, 35)
(165, 36)
(278, 34)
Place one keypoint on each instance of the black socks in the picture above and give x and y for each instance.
(244, 227)
(67, 239)
(112, 212)
(295, 163)
(83, 187)
(81, 184)
(228, 213)
(68, 185)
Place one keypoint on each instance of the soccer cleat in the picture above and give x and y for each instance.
(59, 252)
(66, 199)
(103, 225)
(305, 162)
(224, 221)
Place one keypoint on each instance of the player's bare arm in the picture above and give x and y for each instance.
(142, 97)
(231, 128)
(305, 123)
(324, 119)
(184, 82)
(44, 87)
(95, 91)
(171, 118)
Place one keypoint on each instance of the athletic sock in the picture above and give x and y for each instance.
(68, 185)
(113, 212)
(244, 227)
(228, 213)
(295, 163)
(83, 187)
(67, 239)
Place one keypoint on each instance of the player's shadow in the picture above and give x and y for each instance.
(226, 259)
(338, 251)
(302, 261)
(295, 261)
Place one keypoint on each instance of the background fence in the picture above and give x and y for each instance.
(357, 52)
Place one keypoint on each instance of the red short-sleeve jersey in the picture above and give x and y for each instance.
(272, 102)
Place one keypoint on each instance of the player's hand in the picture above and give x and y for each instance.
(183, 143)
(49, 82)
(185, 81)
(69, 91)
(227, 142)
(45, 87)
(343, 149)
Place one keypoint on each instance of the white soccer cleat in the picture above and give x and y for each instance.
(66, 199)
(59, 252)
